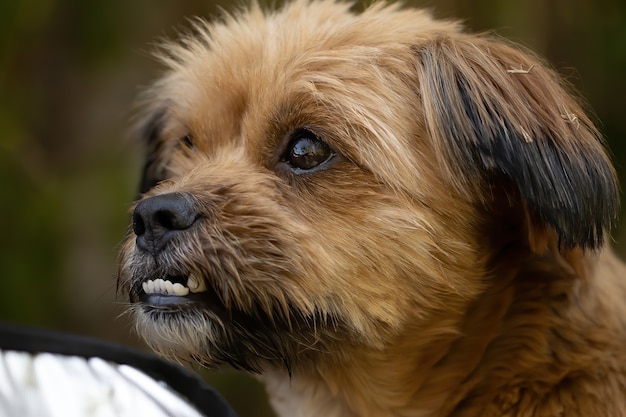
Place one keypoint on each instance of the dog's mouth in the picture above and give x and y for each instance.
(174, 290)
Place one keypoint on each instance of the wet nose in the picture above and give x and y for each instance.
(157, 219)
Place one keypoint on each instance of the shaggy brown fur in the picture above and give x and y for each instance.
(381, 215)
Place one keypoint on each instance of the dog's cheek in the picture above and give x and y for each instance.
(387, 261)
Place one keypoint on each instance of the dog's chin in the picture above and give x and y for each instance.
(200, 328)
(179, 330)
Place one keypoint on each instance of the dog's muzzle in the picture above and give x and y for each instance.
(157, 221)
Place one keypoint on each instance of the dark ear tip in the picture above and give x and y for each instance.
(587, 235)
(578, 194)
(589, 241)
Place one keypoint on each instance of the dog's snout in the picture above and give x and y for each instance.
(157, 219)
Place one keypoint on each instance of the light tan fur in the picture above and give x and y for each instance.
(448, 261)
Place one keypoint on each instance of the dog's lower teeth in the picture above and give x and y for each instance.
(164, 287)
(196, 284)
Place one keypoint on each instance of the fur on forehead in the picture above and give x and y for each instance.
(307, 56)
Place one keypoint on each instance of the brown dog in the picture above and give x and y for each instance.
(382, 216)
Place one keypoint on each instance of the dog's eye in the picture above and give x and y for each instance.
(188, 143)
(306, 151)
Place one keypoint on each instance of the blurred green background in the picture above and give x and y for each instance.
(69, 70)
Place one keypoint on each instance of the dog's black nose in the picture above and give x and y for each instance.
(157, 219)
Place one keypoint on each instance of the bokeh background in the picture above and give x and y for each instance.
(69, 70)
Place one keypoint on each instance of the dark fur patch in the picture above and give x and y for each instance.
(252, 340)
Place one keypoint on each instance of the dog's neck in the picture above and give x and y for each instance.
(450, 373)
(374, 383)
(411, 374)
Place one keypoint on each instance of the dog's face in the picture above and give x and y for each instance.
(318, 182)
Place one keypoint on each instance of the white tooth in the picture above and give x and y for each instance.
(169, 287)
(179, 289)
(192, 284)
(150, 285)
(196, 284)
(144, 285)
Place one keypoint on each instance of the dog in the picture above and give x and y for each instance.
(380, 214)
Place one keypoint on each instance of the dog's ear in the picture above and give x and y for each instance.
(492, 109)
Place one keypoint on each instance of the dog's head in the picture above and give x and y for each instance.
(318, 181)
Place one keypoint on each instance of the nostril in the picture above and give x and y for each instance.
(139, 227)
(172, 220)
